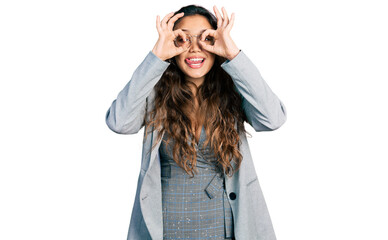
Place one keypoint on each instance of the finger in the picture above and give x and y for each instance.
(182, 49)
(218, 16)
(165, 19)
(173, 19)
(182, 34)
(226, 18)
(208, 32)
(207, 47)
(231, 22)
(158, 24)
(186, 45)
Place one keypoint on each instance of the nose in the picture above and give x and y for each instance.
(195, 47)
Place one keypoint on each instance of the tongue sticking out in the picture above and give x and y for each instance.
(194, 62)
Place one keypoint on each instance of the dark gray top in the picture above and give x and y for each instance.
(198, 207)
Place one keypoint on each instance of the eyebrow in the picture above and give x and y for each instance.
(186, 30)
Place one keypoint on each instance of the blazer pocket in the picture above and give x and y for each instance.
(215, 186)
(251, 181)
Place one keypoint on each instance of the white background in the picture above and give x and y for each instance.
(65, 175)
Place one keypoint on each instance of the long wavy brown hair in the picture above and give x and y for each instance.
(219, 110)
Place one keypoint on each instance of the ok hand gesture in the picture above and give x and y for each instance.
(165, 47)
(223, 45)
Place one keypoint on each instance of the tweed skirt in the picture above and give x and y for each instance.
(194, 207)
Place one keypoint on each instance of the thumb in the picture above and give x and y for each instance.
(206, 47)
(182, 49)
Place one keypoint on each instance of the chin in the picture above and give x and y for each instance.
(194, 72)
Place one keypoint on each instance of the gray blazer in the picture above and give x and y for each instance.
(264, 111)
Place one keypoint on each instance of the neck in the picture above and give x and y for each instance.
(196, 81)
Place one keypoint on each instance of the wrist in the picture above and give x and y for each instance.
(233, 54)
(156, 54)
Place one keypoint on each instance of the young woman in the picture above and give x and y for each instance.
(192, 93)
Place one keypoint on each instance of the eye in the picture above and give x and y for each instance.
(209, 40)
(180, 40)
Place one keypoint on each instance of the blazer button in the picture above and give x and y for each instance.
(232, 195)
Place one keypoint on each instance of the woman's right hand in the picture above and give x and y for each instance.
(165, 47)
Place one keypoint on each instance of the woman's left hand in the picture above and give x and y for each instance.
(223, 45)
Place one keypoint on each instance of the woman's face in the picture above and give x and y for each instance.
(194, 25)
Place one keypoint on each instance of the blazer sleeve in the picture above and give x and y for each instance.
(263, 109)
(126, 113)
